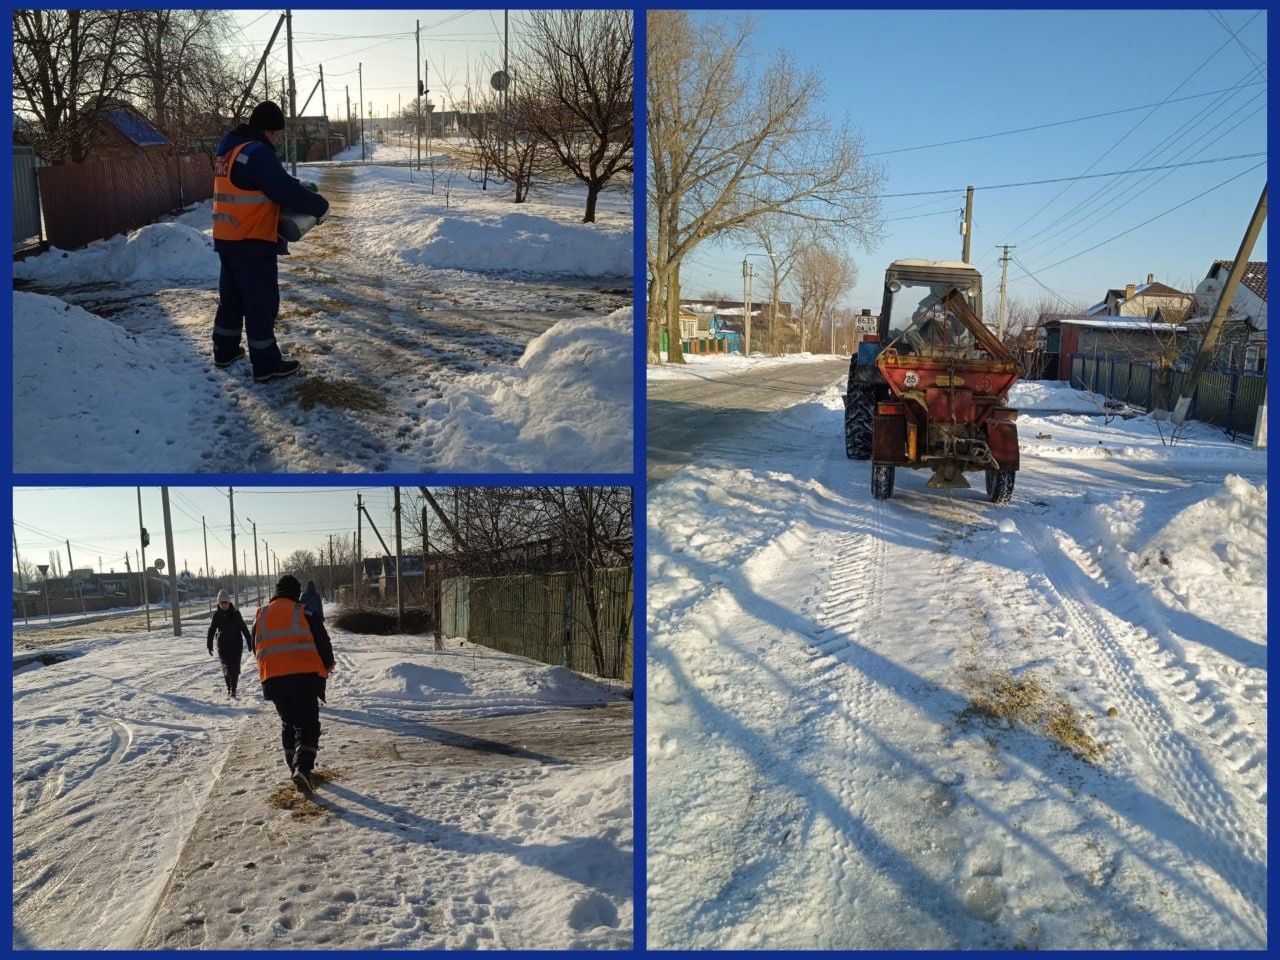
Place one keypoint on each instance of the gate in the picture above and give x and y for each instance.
(27, 230)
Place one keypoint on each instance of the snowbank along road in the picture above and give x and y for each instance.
(931, 722)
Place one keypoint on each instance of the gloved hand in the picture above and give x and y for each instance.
(311, 186)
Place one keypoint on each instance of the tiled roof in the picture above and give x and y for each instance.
(1255, 275)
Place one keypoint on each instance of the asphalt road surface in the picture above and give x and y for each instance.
(686, 415)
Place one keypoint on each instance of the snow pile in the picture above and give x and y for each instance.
(159, 251)
(84, 385)
(1213, 553)
(483, 231)
(559, 403)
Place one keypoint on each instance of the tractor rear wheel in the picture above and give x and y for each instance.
(881, 481)
(859, 409)
(1000, 485)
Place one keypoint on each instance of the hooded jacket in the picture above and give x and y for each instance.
(228, 626)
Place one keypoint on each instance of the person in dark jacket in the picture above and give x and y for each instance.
(229, 626)
(311, 600)
(295, 656)
(250, 188)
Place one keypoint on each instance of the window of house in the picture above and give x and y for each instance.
(1252, 358)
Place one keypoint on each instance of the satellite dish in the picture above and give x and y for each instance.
(159, 564)
(499, 80)
(1207, 294)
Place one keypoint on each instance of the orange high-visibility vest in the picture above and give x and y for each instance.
(241, 214)
(283, 642)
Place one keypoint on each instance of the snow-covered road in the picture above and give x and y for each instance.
(466, 798)
(442, 328)
(931, 722)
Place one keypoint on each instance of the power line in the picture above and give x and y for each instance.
(1153, 219)
(1061, 123)
(1082, 176)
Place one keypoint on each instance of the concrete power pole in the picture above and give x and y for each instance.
(1210, 341)
(399, 568)
(235, 590)
(966, 228)
(1004, 276)
(746, 307)
(175, 606)
(142, 563)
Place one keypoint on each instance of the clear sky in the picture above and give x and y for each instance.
(102, 523)
(923, 79)
(456, 45)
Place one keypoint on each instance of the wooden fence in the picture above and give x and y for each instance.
(92, 201)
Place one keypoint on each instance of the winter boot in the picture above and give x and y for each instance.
(287, 368)
(303, 782)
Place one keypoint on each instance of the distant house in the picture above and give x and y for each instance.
(1144, 300)
(1139, 322)
(1243, 339)
(121, 133)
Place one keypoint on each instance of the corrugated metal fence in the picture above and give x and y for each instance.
(26, 199)
(546, 617)
(92, 201)
(1226, 400)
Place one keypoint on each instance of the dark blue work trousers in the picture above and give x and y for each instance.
(248, 300)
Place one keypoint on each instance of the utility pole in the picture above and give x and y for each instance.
(966, 228)
(142, 563)
(746, 306)
(1004, 276)
(417, 55)
(506, 87)
(347, 89)
(71, 571)
(1210, 341)
(235, 589)
(257, 571)
(22, 582)
(359, 542)
(204, 532)
(324, 109)
(293, 93)
(173, 567)
(360, 104)
(333, 587)
(399, 568)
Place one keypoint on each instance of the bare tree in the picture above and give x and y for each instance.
(823, 276)
(729, 143)
(580, 65)
(505, 142)
(67, 64)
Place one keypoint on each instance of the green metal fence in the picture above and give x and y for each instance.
(552, 618)
(1226, 400)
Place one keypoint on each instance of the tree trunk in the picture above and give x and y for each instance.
(675, 353)
(593, 191)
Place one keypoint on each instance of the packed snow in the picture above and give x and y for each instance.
(466, 799)
(931, 722)
(441, 326)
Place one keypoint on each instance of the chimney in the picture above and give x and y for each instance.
(1129, 291)
(1151, 278)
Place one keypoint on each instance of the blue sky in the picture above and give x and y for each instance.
(102, 522)
(908, 79)
(457, 45)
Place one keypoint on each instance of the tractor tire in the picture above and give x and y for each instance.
(859, 408)
(881, 481)
(1000, 485)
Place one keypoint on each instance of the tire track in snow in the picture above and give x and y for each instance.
(1228, 844)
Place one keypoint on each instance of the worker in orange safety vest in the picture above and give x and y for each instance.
(250, 188)
(295, 657)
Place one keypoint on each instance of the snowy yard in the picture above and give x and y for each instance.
(442, 328)
(466, 799)
(930, 722)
